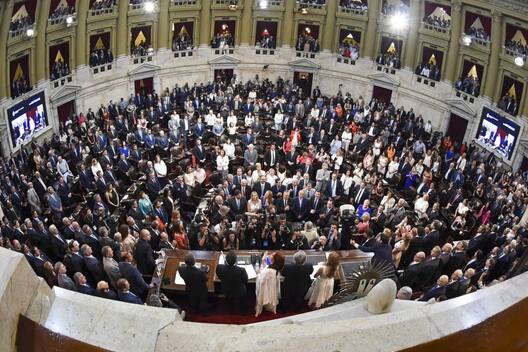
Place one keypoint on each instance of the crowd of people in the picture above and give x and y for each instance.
(182, 42)
(389, 9)
(469, 84)
(103, 5)
(428, 70)
(437, 21)
(101, 57)
(92, 208)
(478, 33)
(311, 2)
(19, 86)
(222, 41)
(389, 59)
(61, 12)
(361, 6)
(350, 50)
(509, 104)
(142, 49)
(267, 41)
(20, 24)
(517, 47)
(307, 43)
(59, 69)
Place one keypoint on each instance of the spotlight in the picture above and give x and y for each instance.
(263, 4)
(466, 40)
(519, 61)
(149, 6)
(304, 11)
(69, 20)
(399, 22)
(30, 32)
(233, 7)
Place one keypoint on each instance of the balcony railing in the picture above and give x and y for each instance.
(226, 51)
(311, 5)
(99, 12)
(102, 68)
(345, 60)
(20, 31)
(227, 2)
(140, 59)
(353, 10)
(386, 69)
(59, 82)
(184, 2)
(426, 80)
(62, 19)
(306, 54)
(266, 51)
(465, 96)
(184, 53)
(439, 29)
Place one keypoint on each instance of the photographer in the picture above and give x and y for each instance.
(207, 241)
(269, 238)
(297, 241)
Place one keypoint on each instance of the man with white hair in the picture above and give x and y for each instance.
(404, 293)
(296, 282)
(250, 156)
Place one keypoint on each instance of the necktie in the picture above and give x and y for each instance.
(360, 194)
(272, 158)
(315, 203)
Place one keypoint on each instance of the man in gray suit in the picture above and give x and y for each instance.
(250, 156)
(110, 266)
(33, 199)
(63, 280)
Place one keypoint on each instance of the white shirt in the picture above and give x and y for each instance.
(229, 149)
(160, 168)
(421, 206)
(222, 162)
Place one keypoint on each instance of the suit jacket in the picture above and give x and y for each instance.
(261, 190)
(195, 285)
(339, 188)
(137, 285)
(382, 252)
(296, 283)
(234, 280)
(267, 158)
(144, 257)
(93, 270)
(300, 209)
(434, 292)
(129, 297)
(237, 210)
(57, 248)
(86, 289)
(111, 268)
(410, 277)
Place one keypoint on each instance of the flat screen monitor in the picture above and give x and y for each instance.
(497, 133)
(27, 118)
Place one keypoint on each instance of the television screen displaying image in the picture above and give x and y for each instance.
(27, 118)
(497, 133)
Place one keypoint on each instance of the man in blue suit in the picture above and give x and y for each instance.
(199, 128)
(82, 286)
(138, 286)
(437, 290)
(248, 138)
(124, 293)
(382, 249)
(301, 207)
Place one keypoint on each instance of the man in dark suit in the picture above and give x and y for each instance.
(125, 295)
(334, 187)
(144, 255)
(361, 193)
(237, 204)
(301, 207)
(57, 246)
(93, 267)
(411, 274)
(382, 249)
(296, 282)
(261, 187)
(199, 152)
(437, 290)
(82, 286)
(271, 158)
(234, 280)
(138, 286)
(195, 283)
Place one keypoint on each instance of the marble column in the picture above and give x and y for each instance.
(5, 80)
(454, 43)
(287, 24)
(163, 25)
(246, 23)
(41, 19)
(412, 35)
(330, 25)
(81, 56)
(372, 26)
(122, 28)
(490, 85)
(205, 23)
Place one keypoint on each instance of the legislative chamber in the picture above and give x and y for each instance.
(262, 175)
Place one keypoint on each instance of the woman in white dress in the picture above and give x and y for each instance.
(255, 175)
(346, 181)
(96, 167)
(277, 120)
(378, 144)
(229, 149)
(267, 286)
(358, 174)
(383, 161)
(393, 168)
(222, 163)
(231, 124)
(346, 137)
(254, 205)
(323, 286)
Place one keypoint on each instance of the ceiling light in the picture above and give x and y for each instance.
(466, 40)
(263, 4)
(30, 32)
(149, 6)
(519, 61)
(399, 22)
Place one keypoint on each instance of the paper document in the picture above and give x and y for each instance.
(179, 280)
(250, 270)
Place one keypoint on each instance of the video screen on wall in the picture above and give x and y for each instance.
(498, 133)
(27, 118)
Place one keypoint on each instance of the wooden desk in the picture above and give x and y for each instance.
(173, 259)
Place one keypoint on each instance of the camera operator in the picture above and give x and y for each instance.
(297, 241)
(207, 240)
(269, 238)
(283, 229)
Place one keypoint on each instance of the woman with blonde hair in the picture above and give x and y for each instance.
(323, 286)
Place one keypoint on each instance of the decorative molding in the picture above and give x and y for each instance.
(224, 60)
(144, 69)
(461, 106)
(384, 78)
(304, 65)
(65, 91)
